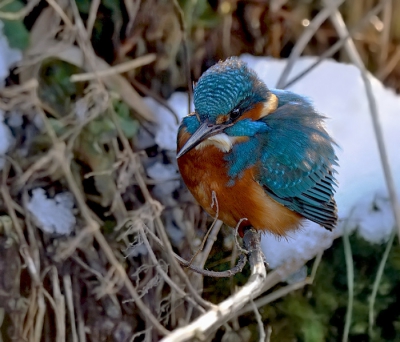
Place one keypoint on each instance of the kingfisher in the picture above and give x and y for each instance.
(254, 156)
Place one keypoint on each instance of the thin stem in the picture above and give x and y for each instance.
(350, 283)
(341, 28)
(303, 40)
(377, 281)
(337, 46)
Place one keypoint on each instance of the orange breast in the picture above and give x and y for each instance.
(205, 171)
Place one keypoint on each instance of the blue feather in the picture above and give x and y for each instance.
(290, 150)
(226, 85)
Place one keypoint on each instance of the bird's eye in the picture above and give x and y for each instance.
(235, 114)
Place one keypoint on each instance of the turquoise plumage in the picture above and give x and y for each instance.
(276, 134)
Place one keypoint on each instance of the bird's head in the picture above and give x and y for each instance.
(229, 98)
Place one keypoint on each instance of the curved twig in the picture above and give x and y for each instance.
(214, 318)
(224, 274)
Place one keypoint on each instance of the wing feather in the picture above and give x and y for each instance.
(298, 160)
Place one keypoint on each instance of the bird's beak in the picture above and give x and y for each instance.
(205, 131)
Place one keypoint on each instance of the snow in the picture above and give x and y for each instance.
(6, 139)
(165, 135)
(8, 56)
(337, 91)
(53, 216)
(162, 172)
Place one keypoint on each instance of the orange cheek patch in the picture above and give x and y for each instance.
(240, 139)
(261, 109)
(253, 114)
(222, 119)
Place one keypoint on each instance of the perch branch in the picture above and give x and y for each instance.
(215, 317)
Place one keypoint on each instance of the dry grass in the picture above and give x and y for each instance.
(117, 278)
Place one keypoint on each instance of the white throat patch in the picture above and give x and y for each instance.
(222, 141)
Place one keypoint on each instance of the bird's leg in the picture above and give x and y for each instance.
(240, 230)
(248, 246)
(251, 241)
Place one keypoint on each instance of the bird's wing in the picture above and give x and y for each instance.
(297, 162)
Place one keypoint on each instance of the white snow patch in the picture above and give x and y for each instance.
(165, 136)
(6, 139)
(8, 56)
(53, 215)
(162, 172)
(303, 243)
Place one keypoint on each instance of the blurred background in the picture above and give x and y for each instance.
(86, 185)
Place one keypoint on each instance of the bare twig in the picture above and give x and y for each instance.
(207, 323)
(337, 46)
(22, 13)
(341, 28)
(148, 92)
(132, 8)
(281, 292)
(186, 56)
(385, 34)
(224, 274)
(214, 203)
(350, 283)
(62, 159)
(79, 314)
(377, 282)
(67, 283)
(57, 8)
(210, 242)
(164, 274)
(39, 319)
(24, 248)
(259, 322)
(158, 223)
(303, 40)
(116, 69)
(60, 306)
(389, 65)
(94, 7)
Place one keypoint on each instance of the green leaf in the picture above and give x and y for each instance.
(57, 126)
(55, 86)
(102, 129)
(129, 126)
(121, 109)
(15, 30)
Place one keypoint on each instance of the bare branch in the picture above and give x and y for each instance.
(215, 317)
(337, 21)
